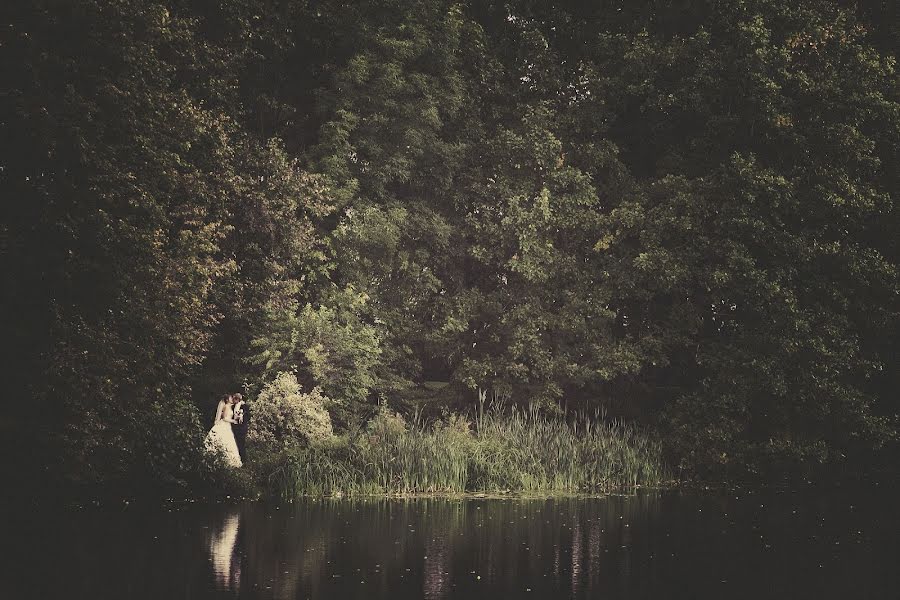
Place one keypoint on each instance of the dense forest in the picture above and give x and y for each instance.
(681, 215)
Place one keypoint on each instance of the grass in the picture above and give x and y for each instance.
(500, 452)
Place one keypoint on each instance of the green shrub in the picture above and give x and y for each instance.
(386, 425)
(284, 416)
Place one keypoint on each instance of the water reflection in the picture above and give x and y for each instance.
(438, 548)
(225, 561)
(646, 546)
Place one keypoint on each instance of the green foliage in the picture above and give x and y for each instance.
(131, 186)
(386, 426)
(506, 452)
(284, 416)
(391, 253)
(753, 258)
(329, 346)
(685, 215)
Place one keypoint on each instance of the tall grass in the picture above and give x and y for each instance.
(502, 451)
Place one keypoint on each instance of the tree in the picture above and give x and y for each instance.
(757, 254)
(140, 219)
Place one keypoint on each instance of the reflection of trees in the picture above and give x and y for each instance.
(287, 547)
(302, 545)
(568, 540)
(327, 548)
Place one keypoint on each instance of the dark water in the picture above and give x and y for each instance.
(773, 544)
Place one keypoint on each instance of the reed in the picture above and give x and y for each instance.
(502, 451)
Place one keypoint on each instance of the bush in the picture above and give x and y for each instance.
(115, 447)
(386, 425)
(284, 416)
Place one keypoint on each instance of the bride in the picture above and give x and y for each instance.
(220, 438)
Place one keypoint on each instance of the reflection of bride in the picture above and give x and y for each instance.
(220, 438)
(221, 552)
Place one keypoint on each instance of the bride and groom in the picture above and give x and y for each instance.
(229, 431)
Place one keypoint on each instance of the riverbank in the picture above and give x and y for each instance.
(496, 453)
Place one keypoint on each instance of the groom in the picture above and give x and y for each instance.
(239, 429)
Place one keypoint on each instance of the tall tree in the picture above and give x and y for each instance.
(136, 210)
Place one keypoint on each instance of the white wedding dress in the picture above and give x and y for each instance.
(221, 439)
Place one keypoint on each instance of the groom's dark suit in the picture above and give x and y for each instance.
(240, 431)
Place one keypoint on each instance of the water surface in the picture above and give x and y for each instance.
(772, 544)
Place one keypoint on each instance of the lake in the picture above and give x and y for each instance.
(670, 544)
